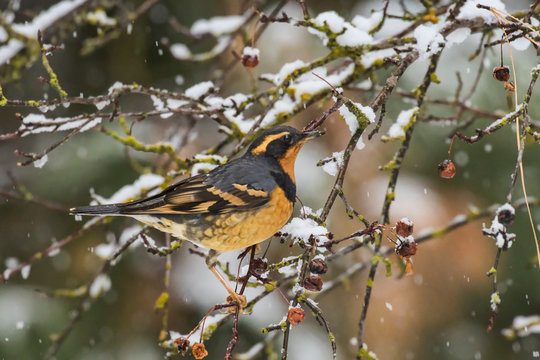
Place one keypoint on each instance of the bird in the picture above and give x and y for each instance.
(235, 205)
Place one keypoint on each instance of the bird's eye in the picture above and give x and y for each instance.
(287, 139)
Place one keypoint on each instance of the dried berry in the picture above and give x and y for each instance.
(295, 316)
(318, 266)
(506, 217)
(250, 57)
(199, 351)
(313, 283)
(250, 62)
(406, 248)
(447, 169)
(501, 73)
(259, 266)
(182, 345)
(404, 227)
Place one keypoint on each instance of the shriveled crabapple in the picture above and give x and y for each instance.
(404, 227)
(318, 266)
(406, 249)
(199, 351)
(447, 169)
(295, 315)
(182, 345)
(259, 266)
(313, 283)
(250, 57)
(501, 73)
(506, 216)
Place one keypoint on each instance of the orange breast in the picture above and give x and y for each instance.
(229, 231)
(239, 230)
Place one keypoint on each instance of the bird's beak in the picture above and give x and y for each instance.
(308, 135)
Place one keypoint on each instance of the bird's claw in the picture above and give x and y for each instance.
(239, 299)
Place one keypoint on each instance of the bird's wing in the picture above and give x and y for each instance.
(199, 194)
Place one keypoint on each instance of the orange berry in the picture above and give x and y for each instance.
(295, 316)
(199, 351)
(501, 73)
(447, 169)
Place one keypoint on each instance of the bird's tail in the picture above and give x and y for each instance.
(112, 209)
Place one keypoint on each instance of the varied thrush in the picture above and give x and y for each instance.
(238, 204)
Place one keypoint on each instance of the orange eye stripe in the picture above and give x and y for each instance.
(267, 140)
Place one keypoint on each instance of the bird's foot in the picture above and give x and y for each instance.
(240, 301)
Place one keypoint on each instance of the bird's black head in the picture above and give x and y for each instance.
(281, 142)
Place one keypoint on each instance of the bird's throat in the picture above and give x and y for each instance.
(288, 160)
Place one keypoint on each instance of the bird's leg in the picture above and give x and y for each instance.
(211, 261)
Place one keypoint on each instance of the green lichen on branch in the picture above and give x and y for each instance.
(69, 293)
(284, 263)
(53, 78)
(364, 353)
(363, 120)
(162, 300)
(3, 100)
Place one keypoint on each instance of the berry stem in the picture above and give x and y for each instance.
(450, 148)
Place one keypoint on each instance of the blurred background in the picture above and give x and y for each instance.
(440, 312)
